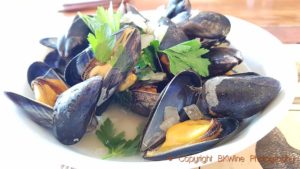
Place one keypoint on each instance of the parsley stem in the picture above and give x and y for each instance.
(109, 155)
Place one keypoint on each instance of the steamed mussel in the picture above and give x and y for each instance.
(116, 78)
(222, 101)
(187, 112)
(73, 42)
(72, 113)
(45, 83)
(178, 10)
(67, 46)
(211, 27)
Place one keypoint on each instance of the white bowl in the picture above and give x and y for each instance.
(26, 142)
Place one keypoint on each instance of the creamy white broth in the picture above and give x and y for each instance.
(122, 119)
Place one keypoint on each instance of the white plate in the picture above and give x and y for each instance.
(29, 146)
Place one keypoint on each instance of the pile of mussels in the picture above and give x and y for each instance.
(186, 113)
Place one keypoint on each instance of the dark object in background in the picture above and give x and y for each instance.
(88, 4)
(274, 145)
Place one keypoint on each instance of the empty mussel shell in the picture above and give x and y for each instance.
(49, 42)
(38, 69)
(176, 7)
(37, 112)
(76, 67)
(75, 39)
(56, 62)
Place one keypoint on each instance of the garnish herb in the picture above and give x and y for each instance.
(104, 25)
(184, 56)
(115, 142)
(148, 56)
(146, 66)
(187, 55)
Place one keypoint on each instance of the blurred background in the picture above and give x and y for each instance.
(280, 17)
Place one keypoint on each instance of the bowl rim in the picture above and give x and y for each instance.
(282, 103)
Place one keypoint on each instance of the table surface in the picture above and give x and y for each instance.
(280, 17)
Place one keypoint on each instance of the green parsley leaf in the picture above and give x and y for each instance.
(187, 55)
(109, 17)
(115, 142)
(104, 25)
(149, 54)
(155, 45)
(148, 74)
(146, 67)
(147, 59)
(90, 21)
(102, 43)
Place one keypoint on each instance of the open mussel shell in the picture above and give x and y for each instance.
(209, 26)
(45, 83)
(38, 69)
(74, 109)
(181, 17)
(75, 40)
(164, 21)
(222, 60)
(176, 7)
(37, 112)
(238, 96)
(130, 8)
(56, 62)
(40, 113)
(73, 113)
(229, 128)
(130, 40)
(177, 93)
(49, 42)
(172, 37)
(76, 67)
